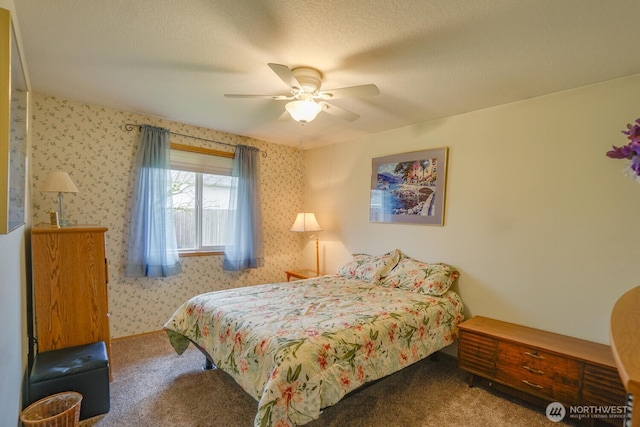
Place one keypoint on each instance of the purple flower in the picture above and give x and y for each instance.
(633, 131)
(635, 164)
(623, 152)
(630, 151)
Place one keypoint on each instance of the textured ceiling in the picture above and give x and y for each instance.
(430, 58)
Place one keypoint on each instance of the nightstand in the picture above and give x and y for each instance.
(304, 273)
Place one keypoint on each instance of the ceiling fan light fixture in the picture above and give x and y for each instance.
(303, 111)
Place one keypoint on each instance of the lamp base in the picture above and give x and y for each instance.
(61, 218)
(317, 257)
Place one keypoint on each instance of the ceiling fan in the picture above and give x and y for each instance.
(306, 99)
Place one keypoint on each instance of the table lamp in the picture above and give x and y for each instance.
(59, 182)
(307, 222)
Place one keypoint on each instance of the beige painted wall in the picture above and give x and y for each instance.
(540, 223)
(90, 143)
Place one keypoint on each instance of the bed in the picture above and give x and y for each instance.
(298, 347)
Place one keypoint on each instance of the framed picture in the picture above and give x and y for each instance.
(13, 128)
(409, 187)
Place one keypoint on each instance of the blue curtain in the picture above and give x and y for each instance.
(153, 249)
(243, 248)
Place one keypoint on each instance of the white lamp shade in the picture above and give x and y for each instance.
(305, 222)
(59, 182)
(303, 111)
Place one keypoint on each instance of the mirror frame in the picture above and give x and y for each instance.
(14, 101)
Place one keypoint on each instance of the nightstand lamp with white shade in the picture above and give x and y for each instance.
(59, 182)
(306, 222)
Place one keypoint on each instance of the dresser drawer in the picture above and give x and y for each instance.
(601, 386)
(477, 353)
(538, 372)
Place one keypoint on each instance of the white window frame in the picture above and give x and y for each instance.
(201, 161)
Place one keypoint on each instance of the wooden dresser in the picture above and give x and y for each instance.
(70, 286)
(545, 366)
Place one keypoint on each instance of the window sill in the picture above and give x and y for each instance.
(190, 254)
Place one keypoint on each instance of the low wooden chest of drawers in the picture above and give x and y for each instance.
(547, 366)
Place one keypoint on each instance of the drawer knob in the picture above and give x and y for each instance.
(535, 371)
(532, 384)
(533, 354)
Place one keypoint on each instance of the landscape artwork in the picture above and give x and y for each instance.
(409, 187)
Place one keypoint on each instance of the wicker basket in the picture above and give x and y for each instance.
(57, 410)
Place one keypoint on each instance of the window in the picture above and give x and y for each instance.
(201, 181)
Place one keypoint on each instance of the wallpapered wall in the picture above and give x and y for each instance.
(90, 143)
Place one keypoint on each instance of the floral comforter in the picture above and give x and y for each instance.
(301, 346)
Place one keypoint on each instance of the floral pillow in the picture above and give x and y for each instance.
(421, 277)
(370, 267)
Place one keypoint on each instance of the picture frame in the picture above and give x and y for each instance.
(13, 128)
(53, 219)
(409, 187)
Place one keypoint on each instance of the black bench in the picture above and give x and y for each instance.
(84, 369)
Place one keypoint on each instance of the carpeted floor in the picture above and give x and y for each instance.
(153, 386)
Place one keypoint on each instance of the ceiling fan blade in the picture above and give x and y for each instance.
(274, 97)
(334, 110)
(350, 92)
(285, 75)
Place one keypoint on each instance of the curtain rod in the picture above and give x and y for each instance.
(131, 126)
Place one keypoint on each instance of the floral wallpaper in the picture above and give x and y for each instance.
(91, 144)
